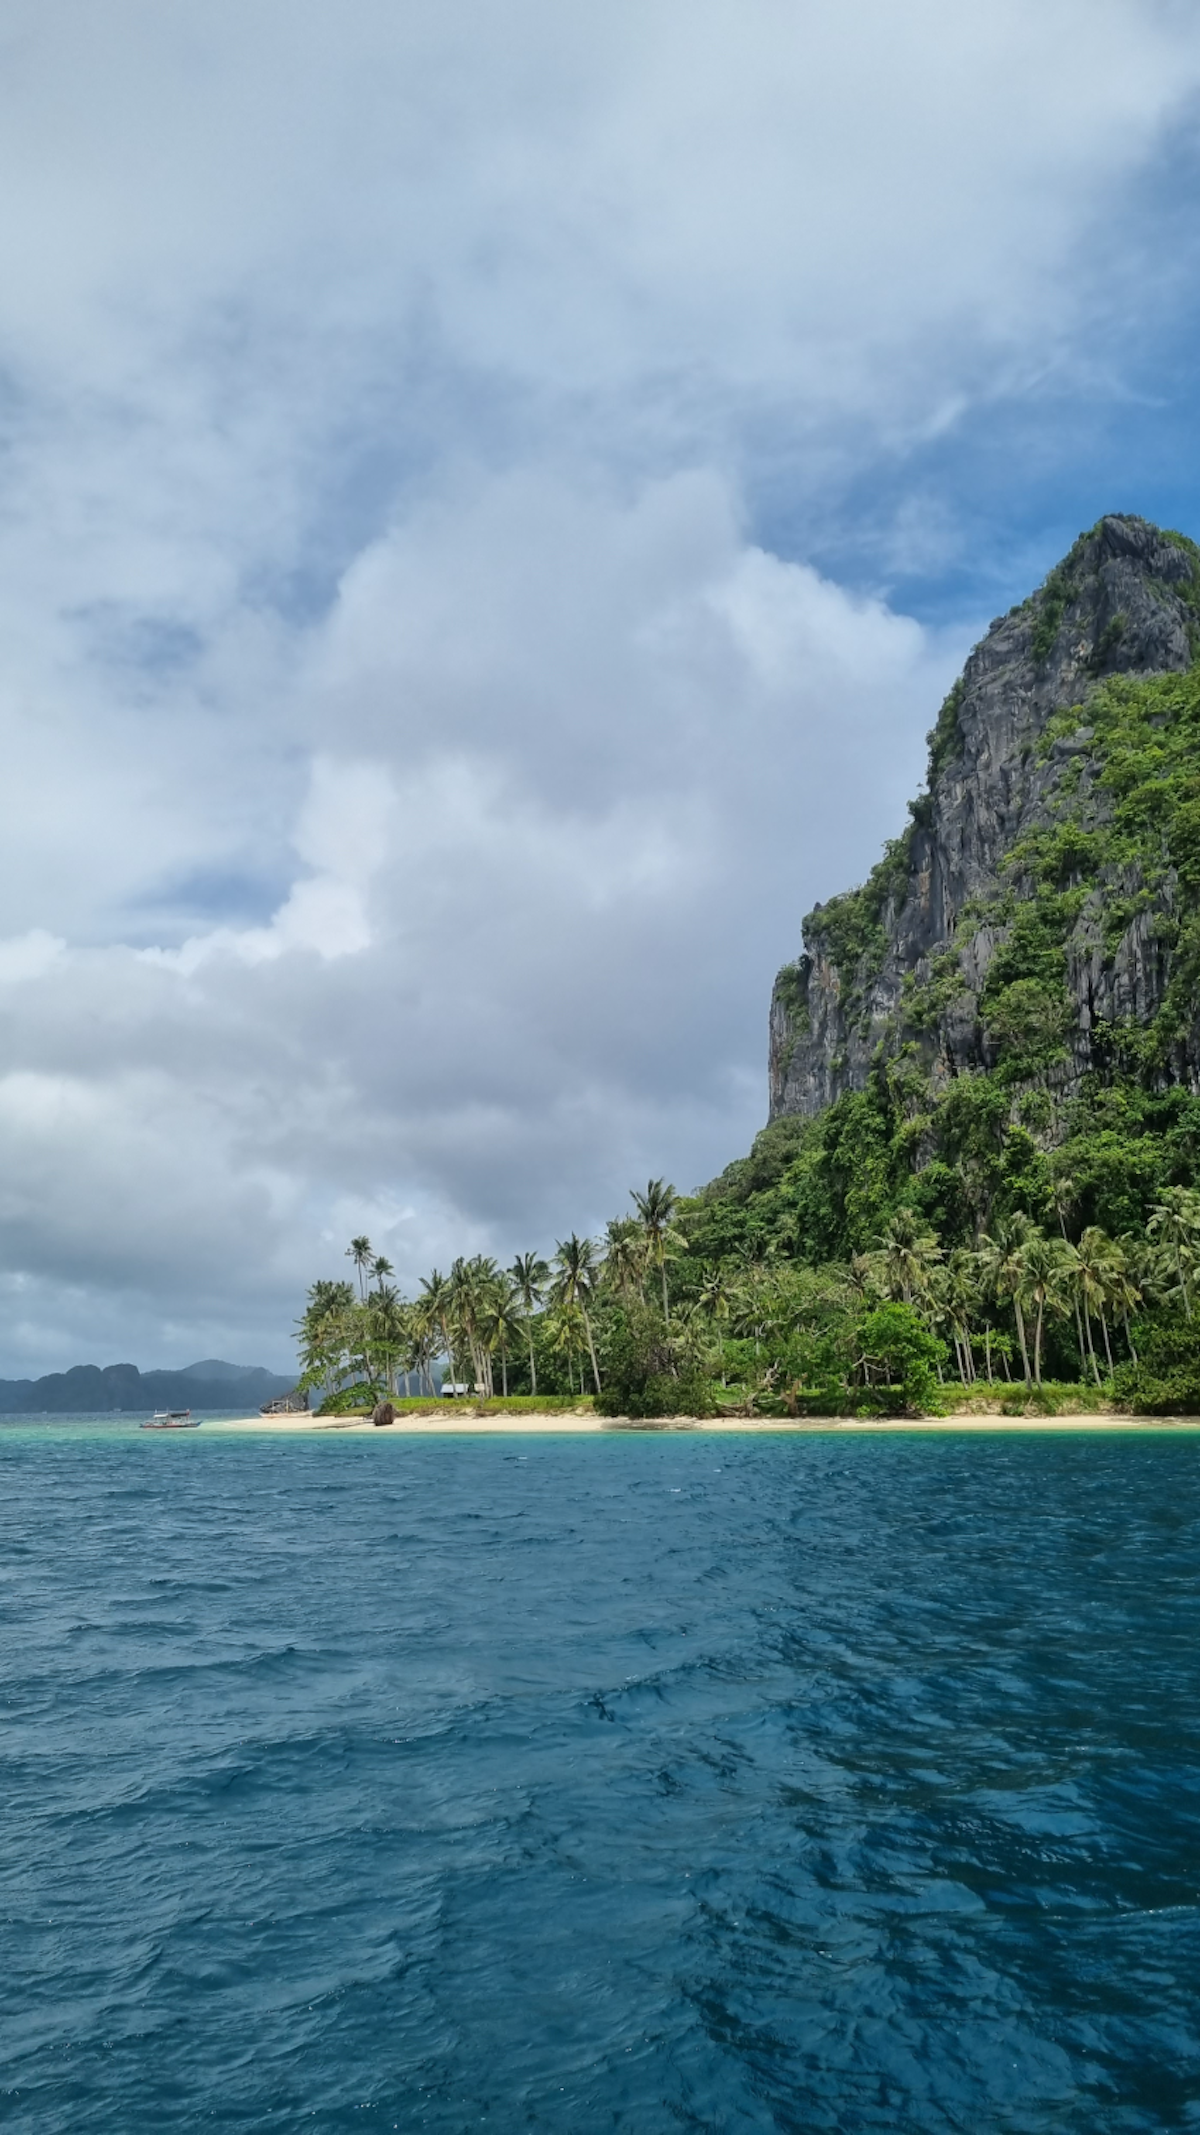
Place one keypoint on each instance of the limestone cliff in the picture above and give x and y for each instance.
(904, 965)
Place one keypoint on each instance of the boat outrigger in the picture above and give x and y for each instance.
(171, 1420)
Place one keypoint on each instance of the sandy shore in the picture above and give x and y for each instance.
(531, 1425)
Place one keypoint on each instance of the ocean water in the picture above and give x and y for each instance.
(645, 1783)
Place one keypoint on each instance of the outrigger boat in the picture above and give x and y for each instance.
(171, 1420)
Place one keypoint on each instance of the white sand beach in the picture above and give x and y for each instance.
(533, 1425)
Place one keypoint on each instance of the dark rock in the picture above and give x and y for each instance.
(1122, 602)
(383, 1413)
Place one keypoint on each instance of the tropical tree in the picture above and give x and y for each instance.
(501, 1322)
(625, 1256)
(656, 1208)
(568, 1336)
(1002, 1268)
(576, 1272)
(1102, 1281)
(1174, 1226)
(716, 1302)
(474, 1288)
(324, 1334)
(434, 1318)
(1128, 1285)
(1043, 1284)
(390, 1330)
(359, 1251)
(529, 1275)
(381, 1269)
(907, 1256)
(962, 1296)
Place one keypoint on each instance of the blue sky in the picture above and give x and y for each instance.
(490, 503)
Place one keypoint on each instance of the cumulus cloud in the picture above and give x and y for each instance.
(418, 757)
(591, 745)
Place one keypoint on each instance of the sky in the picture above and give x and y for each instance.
(491, 500)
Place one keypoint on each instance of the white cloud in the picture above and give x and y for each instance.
(28, 956)
(416, 764)
(341, 833)
(592, 749)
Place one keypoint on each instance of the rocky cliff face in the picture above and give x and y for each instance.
(905, 960)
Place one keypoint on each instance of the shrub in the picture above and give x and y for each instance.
(1166, 1378)
(349, 1400)
(647, 1372)
(896, 1340)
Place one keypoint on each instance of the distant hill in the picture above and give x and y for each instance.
(90, 1388)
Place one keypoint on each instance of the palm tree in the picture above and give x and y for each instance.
(749, 1304)
(716, 1301)
(908, 1256)
(655, 1209)
(1002, 1267)
(359, 1251)
(1044, 1283)
(473, 1290)
(567, 1333)
(381, 1269)
(576, 1274)
(625, 1256)
(1102, 1280)
(1175, 1226)
(499, 1321)
(1136, 1273)
(324, 1333)
(962, 1298)
(434, 1314)
(529, 1275)
(390, 1329)
(1065, 1197)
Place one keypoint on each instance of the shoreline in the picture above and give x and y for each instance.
(535, 1425)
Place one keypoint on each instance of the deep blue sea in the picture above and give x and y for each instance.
(629, 1782)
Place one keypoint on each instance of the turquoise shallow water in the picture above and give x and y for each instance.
(636, 1783)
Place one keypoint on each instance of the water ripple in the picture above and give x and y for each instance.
(636, 1784)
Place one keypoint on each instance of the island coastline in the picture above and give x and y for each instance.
(533, 1425)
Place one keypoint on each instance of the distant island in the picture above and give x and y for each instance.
(91, 1389)
(978, 1182)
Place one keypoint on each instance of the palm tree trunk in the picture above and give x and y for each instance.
(1129, 1335)
(987, 1350)
(532, 1365)
(504, 1373)
(663, 1271)
(1037, 1344)
(1091, 1347)
(591, 1350)
(1020, 1317)
(1107, 1343)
